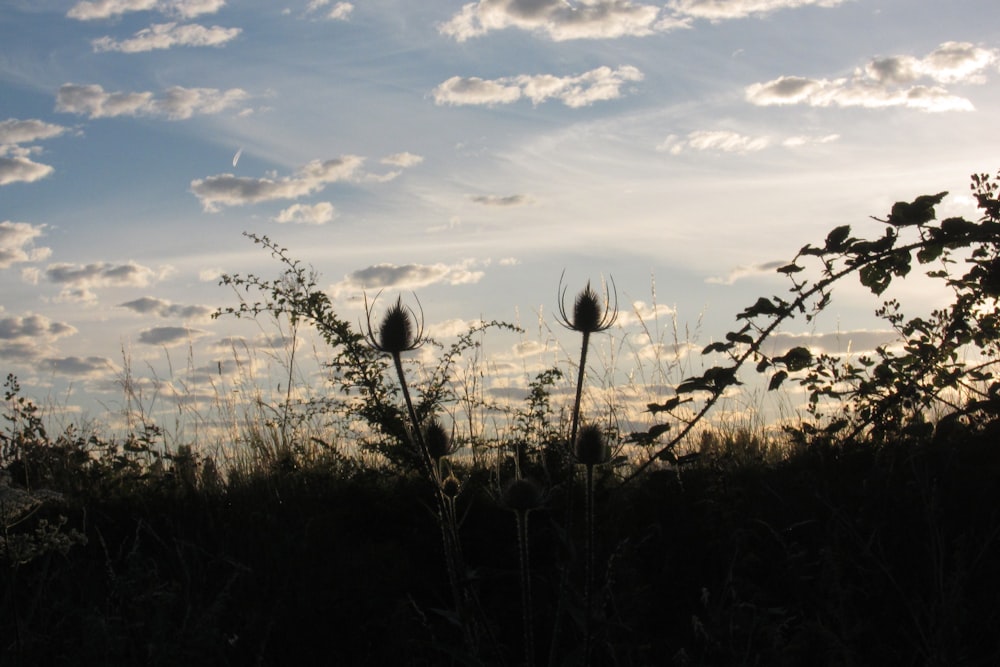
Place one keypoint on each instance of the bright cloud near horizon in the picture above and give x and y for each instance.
(469, 153)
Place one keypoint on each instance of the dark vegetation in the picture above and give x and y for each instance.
(870, 537)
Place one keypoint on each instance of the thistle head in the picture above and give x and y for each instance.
(399, 330)
(437, 440)
(522, 495)
(451, 486)
(591, 311)
(592, 446)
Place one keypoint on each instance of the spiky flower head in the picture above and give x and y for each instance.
(437, 440)
(400, 330)
(591, 312)
(522, 495)
(592, 446)
(451, 486)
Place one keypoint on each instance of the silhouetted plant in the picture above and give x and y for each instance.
(522, 496)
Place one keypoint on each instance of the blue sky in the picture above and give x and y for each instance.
(467, 152)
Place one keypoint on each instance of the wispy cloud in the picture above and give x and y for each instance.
(403, 160)
(317, 214)
(340, 11)
(501, 201)
(741, 272)
(105, 9)
(723, 141)
(221, 190)
(886, 82)
(14, 131)
(166, 35)
(558, 19)
(17, 243)
(718, 10)
(78, 366)
(176, 103)
(21, 169)
(149, 305)
(581, 90)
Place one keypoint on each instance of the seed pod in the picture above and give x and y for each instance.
(522, 495)
(436, 439)
(591, 446)
(451, 486)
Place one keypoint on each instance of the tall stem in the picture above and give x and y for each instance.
(579, 388)
(525, 562)
(588, 583)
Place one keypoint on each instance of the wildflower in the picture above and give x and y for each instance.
(398, 331)
(591, 313)
(591, 446)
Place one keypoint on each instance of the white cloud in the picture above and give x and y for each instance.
(805, 140)
(717, 10)
(723, 141)
(408, 276)
(501, 200)
(581, 90)
(167, 35)
(642, 312)
(558, 19)
(16, 241)
(105, 9)
(340, 11)
(317, 214)
(888, 82)
(215, 192)
(402, 160)
(169, 336)
(14, 131)
(177, 103)
(25, 337)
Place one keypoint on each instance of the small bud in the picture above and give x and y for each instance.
(450, 486)
(591, 446)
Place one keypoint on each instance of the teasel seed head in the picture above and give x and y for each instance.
(437, 440)
(400, 330)
(592, 446)
(591, 312)
(451, 486)
(522, 495)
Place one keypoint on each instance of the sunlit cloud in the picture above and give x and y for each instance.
(304, 214)
(14, 131)
(215, 192)
(167, 35)
(340, 11)
(559, 20)
(408, 276)
(169, 336)
(148, 305)
(597, 85)
(17, 243)
(717, 10)
(884, 82)
(402, 160)
(105, 9)
(176, 103)
(806, 140)
(741, 272)
(643, 313)
(22, 170)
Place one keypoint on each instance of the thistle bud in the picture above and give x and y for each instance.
(436, 439)
(451, 486)
(522, 495)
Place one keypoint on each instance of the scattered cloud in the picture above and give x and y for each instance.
(317, 214)
(741, 272)
(408, 276)
(722, 141)
(642, 312)
(805, 140)
(148, 305)
(501, 200)
(860, 341)
(718, 10)
(17, 241)
(169, 336)
(78, 280)
(597, 85)
(340, 11)
(888, 82)
(176, 103)
(215, 192)
(105, 9)
(78, 366)
(166, 35)
(28, 336)
(559, 19)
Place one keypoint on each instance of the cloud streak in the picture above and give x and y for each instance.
(106, 9)
(148, 305)
(581, 90)
(893, 81)
(408, 276)
(167, 35)
(176, 103)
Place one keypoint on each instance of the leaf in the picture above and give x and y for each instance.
(776, 380)
(835, 239)
(717, 347)
(795, 359)
(917, 212)
(789, 268)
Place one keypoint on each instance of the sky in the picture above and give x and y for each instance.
(466, 153)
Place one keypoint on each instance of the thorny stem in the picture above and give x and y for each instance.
(588, 583)
(579, 388)
(525, 562)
